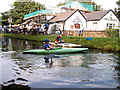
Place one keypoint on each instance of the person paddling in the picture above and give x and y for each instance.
(59, 40)
(47, 45)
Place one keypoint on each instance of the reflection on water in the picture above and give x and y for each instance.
(15, 44)
(94, 69)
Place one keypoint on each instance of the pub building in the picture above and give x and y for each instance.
(93, 23)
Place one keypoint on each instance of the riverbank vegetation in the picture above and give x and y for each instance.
(109, 44)
(112, 32)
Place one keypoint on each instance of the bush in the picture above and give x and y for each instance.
(108, 47)
(112, 32)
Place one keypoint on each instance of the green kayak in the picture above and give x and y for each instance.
(55, 51)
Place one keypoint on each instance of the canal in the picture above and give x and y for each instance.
(93, 69)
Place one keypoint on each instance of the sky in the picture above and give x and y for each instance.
(105, 4)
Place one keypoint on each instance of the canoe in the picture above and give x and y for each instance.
(55, 51)
(66, 45)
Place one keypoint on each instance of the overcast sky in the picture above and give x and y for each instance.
(106, 4)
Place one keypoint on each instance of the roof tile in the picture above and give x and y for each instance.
(97, 15)
(63, 16)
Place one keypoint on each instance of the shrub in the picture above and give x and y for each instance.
(107, 47)
(112, 32)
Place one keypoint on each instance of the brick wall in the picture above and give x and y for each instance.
(86, 33)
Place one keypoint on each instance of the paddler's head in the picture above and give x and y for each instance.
(46, 40)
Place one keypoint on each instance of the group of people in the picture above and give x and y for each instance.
(79, 28)
(28, 29)
(49, 46)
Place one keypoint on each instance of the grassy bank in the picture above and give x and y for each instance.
(109, 44)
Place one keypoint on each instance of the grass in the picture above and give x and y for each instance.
(108, 44)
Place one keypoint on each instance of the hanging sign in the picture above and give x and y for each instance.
(77, 26)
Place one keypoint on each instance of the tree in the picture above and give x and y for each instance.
(118, 2)
(117, 10)
(19, 9)
(5, 17)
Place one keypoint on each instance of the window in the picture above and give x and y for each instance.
(95, 23)
(113, 26)
(106, 18)
(107, 25)
(110, 26)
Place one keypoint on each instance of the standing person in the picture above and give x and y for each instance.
(16, 32)
(5, 29)
(47, 45)
(34, 29)
(46, 26)
(81, 31)
(9, 29)
(28, 29)
(18, 29)
(12, 30)
(72, 30)
(39, 29)
(59, 40)
(24, 29)
(31, 29)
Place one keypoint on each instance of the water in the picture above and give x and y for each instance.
(94, 69)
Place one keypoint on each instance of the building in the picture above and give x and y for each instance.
(70, 22)
(101, 20)
(40, 16)
(78, 5)
(93, 23)
(70, 5)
